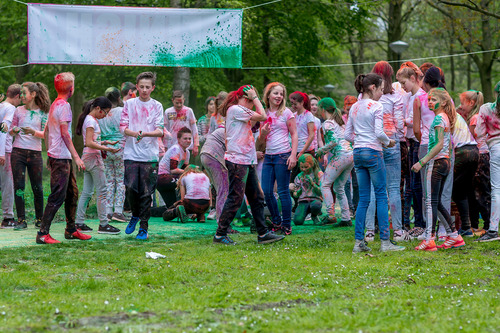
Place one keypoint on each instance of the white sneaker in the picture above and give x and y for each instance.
(401, 236)
(308, 217)
(370, 235)
(212, 215)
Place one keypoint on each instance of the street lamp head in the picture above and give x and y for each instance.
(329, 88)
(399, 46)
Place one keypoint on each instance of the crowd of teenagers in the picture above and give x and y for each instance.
(397, 147)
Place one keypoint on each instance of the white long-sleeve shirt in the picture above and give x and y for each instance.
(393, 114)
(365, 126)
(488, 124)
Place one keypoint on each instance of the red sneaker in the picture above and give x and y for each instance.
(451, 242)
(76, 235)
(45, 239)
(427, 246)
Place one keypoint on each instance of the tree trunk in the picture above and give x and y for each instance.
(394, 30)
(181, 74)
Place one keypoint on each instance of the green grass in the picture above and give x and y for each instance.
(309, 282)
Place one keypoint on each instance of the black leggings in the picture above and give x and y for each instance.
(466, 161)
(22, 159)
(437, 171)
(482, 193)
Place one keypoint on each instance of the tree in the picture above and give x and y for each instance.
(475, 31)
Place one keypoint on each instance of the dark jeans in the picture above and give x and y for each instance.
(243, 180)
(276, 170)
(466, 161)
(405, 179)
(22, 159)
(482, 192)
(305, 207)
(413, 193)
(140, 184)
(63, 189)
(437, 171)
(166, 185)
(192, 206)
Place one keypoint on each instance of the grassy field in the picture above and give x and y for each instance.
(309, 282)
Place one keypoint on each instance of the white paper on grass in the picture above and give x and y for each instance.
(154, 255)
(100, 35)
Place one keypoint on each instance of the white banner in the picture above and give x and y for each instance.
(65, 34)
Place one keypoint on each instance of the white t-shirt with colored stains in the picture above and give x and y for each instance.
(146, 117)
(174, 121)
(173, 153)
(278, 139)
(197, 186)
(60, 112)
(481, 141)
(34, 119)
(302, 132)
(461, 133)
(7, 111)
(91, 122)
(240, 143)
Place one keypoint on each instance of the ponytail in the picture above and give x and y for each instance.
(101, 102)
(363, 81)
(477, 97)
(42, 99)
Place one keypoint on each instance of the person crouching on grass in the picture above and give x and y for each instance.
(241, 161)
(94, 174)
(142, 124)
(60, 150)
(196, 196)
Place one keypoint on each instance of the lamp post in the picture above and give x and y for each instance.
(329, 88)
(399, 47)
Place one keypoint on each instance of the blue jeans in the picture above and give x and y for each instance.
(370, 169)
(392, 161)
(276, 170)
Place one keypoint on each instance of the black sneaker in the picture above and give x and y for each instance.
(20, 225)
(269, 237)
(108, 229)
(119, 217)
(342, 224)
(38, 223)
(8, 224)
(84, 228)
(489, 236)
(285, 231)
(225, 240)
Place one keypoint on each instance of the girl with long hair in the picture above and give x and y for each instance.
(307, 190)
(392, 104)
(28, 126)
(241, 160)
(436, 163)
(94, 175)
(194, 188)
(488, 126)
(340, 164)
(280, 155)
(470, 103)
(364, 124)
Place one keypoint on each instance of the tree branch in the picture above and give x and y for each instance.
(474, 8)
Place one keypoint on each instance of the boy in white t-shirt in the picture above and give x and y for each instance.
(60, 149)
(180, 116)
(142, 124)
(7, 109)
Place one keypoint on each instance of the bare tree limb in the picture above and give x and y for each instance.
(473, 7)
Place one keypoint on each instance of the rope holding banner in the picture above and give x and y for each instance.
(11, 66)
(262, 4)
(24, 3)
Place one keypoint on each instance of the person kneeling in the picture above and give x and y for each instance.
(194, 187)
